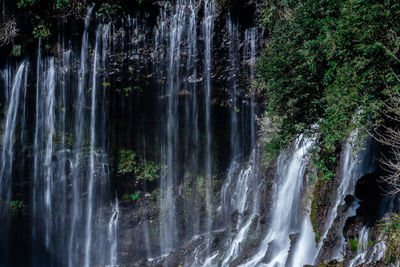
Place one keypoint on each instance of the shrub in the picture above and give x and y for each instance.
(389, 227)
(126, 161)
(16, 52)
(41, 31)
(353, 243)
(130, 162)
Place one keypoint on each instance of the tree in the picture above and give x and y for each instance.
(390, 137)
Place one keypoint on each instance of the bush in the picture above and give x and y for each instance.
(130, 162)
(389, 227)
(16, 52)
(353, 243)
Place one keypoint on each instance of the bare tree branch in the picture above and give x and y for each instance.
(8, 31)
(390, 137)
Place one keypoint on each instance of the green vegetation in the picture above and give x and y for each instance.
(125, 91)
(44, 16)
(15, 205)
(327, 63)
(353, 244)
(41, 31)
(134, 196)
(126, 161)
(130, 162)
(313, 213)
(390, 229)
(16, 52)
(106, 84)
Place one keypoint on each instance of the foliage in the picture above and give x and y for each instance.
(126, 161)
(389, 227)
(327, 63)
(106, 84)
(313, 213)
(125, 91)
(353, 244)
(15, 205)
(16, 52)
(41, 31)
(109, 9)
(130, 162)
(134, 196)
(25, 3)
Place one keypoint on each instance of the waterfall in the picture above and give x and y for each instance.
(168, 225)
(208, 26)
(78, 139)
(235, 140)
(290, 174)
(92, 168)
(366, 253)
(112, 233)
(247, 185)
(48, 123)
(353, 167)
(7, 148)
(305, 247)
(192, 148)
(253, 51)
(177, 56)
(17, 91)
(67, 195)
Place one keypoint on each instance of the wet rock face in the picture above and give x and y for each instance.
(141, 218)
(371, 192)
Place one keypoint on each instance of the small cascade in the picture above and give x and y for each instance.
(17, 88)
(92, 169)
(168, 231)
(362, 247)
(249, 53)
(11, 119)
(244, 196)
(79, 121)
(208, 28)
(290, 173)
(305, 248)
(112, 233)
(353, 167)
(366, 253)
(235, 140)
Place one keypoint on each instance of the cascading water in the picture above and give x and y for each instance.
(290, 173)
(74, 218)
(353, 167)
(7, 148)
(208, 25)
(112, 234)
(67, 194)
(366, 254)
(16, 91)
